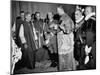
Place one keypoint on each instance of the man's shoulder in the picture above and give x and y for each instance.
(91, 19)
(65, 17)
(19, 20)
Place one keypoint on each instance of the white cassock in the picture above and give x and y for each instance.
(65, 51)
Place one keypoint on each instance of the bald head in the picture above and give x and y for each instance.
(28, 16)
(60, 10)
(88, 10)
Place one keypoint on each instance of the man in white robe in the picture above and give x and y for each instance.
(65, 42)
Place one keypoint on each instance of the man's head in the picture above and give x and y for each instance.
(22, 15)
(50, 15)
(60, 10)
(37, 15)
(88, 10)
(28, 16)
(78, 14)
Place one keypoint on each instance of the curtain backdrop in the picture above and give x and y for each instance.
(32, 7)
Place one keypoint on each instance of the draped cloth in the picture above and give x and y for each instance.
(65, 51)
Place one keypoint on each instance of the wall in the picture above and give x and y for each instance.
(32, 7)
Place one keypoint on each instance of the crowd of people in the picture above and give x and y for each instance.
(69, 44)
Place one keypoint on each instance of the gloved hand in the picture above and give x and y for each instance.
(86, 59)
(87, 49)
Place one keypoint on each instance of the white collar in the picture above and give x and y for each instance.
(88, 16)
(77, 21)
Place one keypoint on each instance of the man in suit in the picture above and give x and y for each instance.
(90, 24)
(16, 27)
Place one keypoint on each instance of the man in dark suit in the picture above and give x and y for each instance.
(19, 21)
(90, 24)
(16, 29)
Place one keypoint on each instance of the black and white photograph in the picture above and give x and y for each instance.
(52, 37)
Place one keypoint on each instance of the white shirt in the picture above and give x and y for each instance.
(21, 34)
(89, 15)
